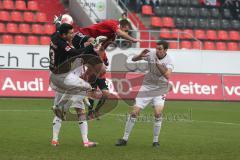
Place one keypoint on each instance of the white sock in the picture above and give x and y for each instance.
(156, 128)
(84, 130)
(128, 128)
(57, 122)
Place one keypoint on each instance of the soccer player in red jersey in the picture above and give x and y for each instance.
(110, 29)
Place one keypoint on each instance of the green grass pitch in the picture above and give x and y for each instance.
(192, 130)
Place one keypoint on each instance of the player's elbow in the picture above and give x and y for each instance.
(119, 32)
(134, 59)
(167, 75)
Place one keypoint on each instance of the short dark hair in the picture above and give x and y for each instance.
(164, 43)
(124, 14)
(124, 23)
(64, 28)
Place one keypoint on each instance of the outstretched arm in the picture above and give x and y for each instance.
(126, 36)
(140, 56)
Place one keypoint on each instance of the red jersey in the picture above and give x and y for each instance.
(106, 28)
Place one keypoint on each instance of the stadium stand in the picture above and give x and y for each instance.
(193, 20)
(30, 23)
(186, 24)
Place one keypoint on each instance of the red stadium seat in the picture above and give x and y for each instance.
(234, 35)
(41, 17)
(188, 34)
(16, 16)
(211, 34)
(176, 33)
(200, 34)
(45, 40)
(147, 10)
(232, 46)
(168, 22)
(173, 45)
(28, 17)
(221, 46)
(32, 40)
(37, 29)
(165, 33)
(0, 4)
(2, 28)
(186, 45)
(208, 45)
(20, 5)
(7, 39)
(19, 39)
(156, 22)
(49, 29)
(4, 16)
(24, 28)
(32, 5)
(222, 35)
(197, 45)
(12, 28)
(8, 4)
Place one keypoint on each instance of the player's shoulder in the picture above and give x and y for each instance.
(78, 36)
(55, 38)
(169, 59)
(110, 21)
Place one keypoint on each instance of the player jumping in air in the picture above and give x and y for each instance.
(65, 80)
(111, 29)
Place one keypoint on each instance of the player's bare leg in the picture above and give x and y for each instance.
(157, 124)
(84, 128)
(105, 94)
(129, 126)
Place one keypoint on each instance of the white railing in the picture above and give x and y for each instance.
(152, 33)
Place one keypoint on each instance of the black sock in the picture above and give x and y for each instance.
(100, 104)
(91, 101)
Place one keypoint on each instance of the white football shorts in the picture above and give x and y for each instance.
(146, 97)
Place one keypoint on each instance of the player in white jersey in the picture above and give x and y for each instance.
(153, 90)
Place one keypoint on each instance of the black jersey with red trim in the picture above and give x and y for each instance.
(62, 53)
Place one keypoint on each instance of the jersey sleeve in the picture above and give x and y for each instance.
(72, 52)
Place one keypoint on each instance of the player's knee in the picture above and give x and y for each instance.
(157, 115)
(81, 114)
(57, 119)
(135, 113)
(82, 117)
(59, 113)
(105, 93)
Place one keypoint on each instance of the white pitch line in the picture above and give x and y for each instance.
(216, 122)
(185, 120)
(24, 110)
(124, 115)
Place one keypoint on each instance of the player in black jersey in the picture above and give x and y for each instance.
(69, 88)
